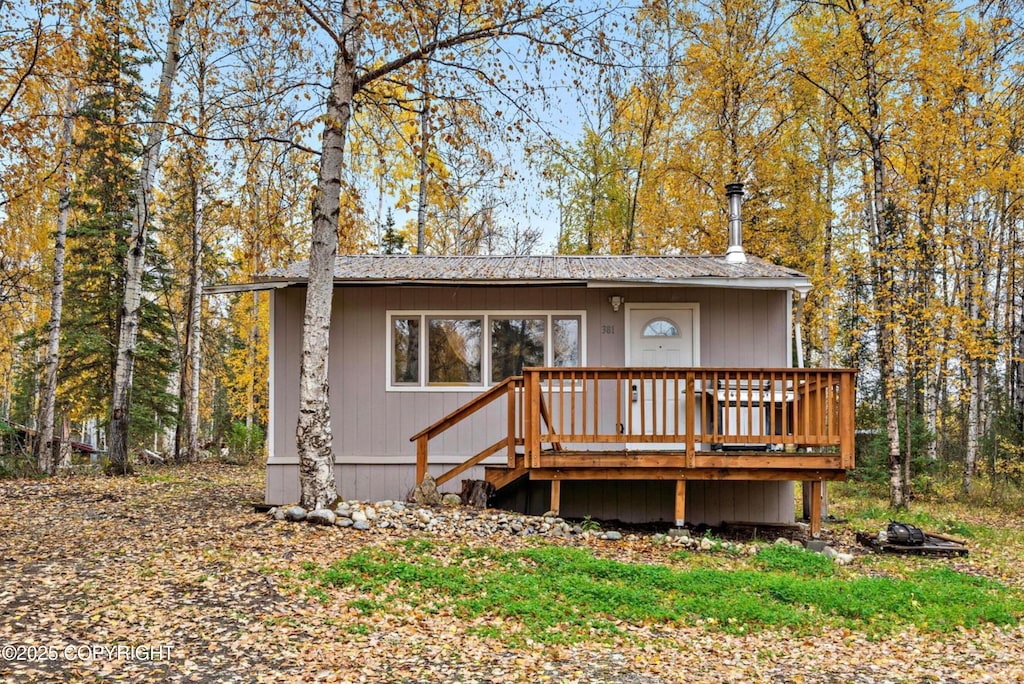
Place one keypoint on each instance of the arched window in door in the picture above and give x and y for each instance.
(660, 327)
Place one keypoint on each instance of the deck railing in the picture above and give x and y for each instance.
(692, 409)
(515, 416)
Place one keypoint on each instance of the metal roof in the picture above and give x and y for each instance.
(591, 271)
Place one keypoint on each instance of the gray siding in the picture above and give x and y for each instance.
(372, 426)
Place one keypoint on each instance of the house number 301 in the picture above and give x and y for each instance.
(607, 329)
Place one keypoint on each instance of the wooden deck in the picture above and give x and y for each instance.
(665, 424)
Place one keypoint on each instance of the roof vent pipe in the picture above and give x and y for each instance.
(735, 254)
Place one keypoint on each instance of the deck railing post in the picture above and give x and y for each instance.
(691, 423)
(531, 382)
(846, 420)
(421, 458)
(511, 424)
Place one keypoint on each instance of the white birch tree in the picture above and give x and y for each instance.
(48, 399)
(136, 259)
(395, 37)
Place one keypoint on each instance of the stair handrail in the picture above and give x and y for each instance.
(466, 410)
(505, 388)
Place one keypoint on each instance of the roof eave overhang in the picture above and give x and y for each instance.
(763, 283)
(251, 287)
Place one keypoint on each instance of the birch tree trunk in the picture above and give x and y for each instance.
(1018, 373)
(186, 438)
(974, 293)
(196, 350)
(975, 387)
(313, 432)
(883, 285)
(421, 209)
(830, 159)
(48, 400)
(135, 260)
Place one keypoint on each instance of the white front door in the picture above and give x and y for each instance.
(660, 336)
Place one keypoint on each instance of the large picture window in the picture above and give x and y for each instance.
(453, 351)
(516, 342)
(466, 349)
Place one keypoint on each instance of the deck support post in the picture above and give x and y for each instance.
(680, 503)
(816, 508)
(556, 496)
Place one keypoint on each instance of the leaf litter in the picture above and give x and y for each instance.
(175, 561)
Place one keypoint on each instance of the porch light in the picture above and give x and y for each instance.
(616, 301)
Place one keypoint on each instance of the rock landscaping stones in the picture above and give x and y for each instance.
(451, 500)
(426, 493)
(396, 517)
(321, 516)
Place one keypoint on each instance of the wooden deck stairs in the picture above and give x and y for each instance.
(502, 476)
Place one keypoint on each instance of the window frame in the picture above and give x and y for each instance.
(424, 316)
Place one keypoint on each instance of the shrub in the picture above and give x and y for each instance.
(245, 444)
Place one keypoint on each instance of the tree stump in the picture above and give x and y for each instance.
(476, 493)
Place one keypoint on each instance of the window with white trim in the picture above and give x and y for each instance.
(453, 350)
(440, 349)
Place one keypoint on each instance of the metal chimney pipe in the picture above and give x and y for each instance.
(735, 253)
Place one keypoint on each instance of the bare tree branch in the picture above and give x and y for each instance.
(29, 68)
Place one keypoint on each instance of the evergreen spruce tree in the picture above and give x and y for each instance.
(392, 242)
(109, 147)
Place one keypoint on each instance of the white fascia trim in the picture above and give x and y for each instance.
(735, 283)
(247, 287)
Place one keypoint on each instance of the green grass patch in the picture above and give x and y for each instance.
(786, 558)
(555, 594)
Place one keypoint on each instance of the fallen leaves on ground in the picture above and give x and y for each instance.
(175, 568)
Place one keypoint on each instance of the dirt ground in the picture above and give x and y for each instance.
(170, 576)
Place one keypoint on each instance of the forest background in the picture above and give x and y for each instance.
(148, 149)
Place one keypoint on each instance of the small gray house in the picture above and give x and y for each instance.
(637, 388)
